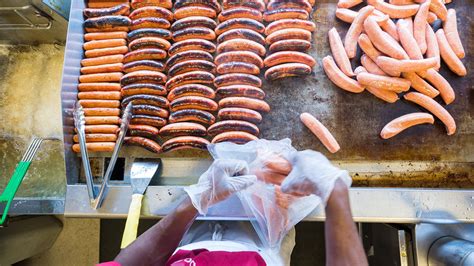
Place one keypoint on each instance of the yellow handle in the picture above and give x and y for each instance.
(131, 226)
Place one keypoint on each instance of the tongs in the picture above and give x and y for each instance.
(96, 197)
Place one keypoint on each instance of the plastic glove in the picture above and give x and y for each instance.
(223, 178)
(313, 173)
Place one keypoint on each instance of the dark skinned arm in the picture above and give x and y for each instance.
(343, 245)
(158, 243)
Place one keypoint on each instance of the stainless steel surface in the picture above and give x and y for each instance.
(37, 206)
(141, 174)
(368, 205)
(80, 124)
(32, 21)
(62, 7)
(403, 247)
(427, 234)
(452, 252)
(127, 113)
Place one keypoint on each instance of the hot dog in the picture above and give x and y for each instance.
(238, 137)
(194, 33)
(420, 84)
(143, 131)
(383, 82)
(446, 91)
(237, 79)
(350, 41)
(300, 4)
(193, 21)
(186, 3)
(143, 88)
(290, 23)
(188, 55)
(97, 138)
(339, 53)
(102, 68)
(408, 65)
(102, 120)
(348, 3)
(240, 12)
(102, 60)
(320, 131)
(244, 102)
(101, 77)
(239, 23)
(151, 22)
(143, 76)
(286, 34)
(451, 31)
(184, 142)
(140, 99)
(193, 102)
(96, 147)
(144, 143)
(183, 129)
(106, 51)
(191, 65)
(184, 12)
(241, 91)
(145, 54)
(367, 47)
(192, 115)
(121, 9)
(371, 66)
(384, 95)
(191, 90)
(448, 55)
(339, 78)
(287, 70)
(98, 129)
(401, 123)
(382, 41)
(241, 34)
(99, 103)
(99, 95)
(238, 67)
(255, 4)
(244, 56)
(101, 111)
(105, 35)
(419, 25)
(241, 45)
(285, 13)
(232, 125)
(435, 108)
(142, 3)
(432, 49)
(395, 11)
(155, 121)
(151, 11)
(193, 77)
(149, 42)
(149, 32)
(438, 7)
(407, 40)
(104, 44)
(289, 57)
(192, 44)
(107, 23)
(151, 65)
(144, 109)
(237, 113)
(290, 45)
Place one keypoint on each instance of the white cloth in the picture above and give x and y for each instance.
(235, 236)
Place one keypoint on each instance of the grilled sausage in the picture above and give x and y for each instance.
(188, 11)
(99, 95)
(244, 102)
(193, 21)
(290, 45)
(285, 13)
(149, 42)
(97, 138)
(150, 65)
(298, 4)
(148, 144)
(102, 60)
(238, 67)
(240, 12)
(255, 4)
(241, 34)
(191, 90)
(157, 32)
(289, 57)
(143, 76)
(191, 65)
(186, 3)
(183, 129)
(403, 122)
(107, 23)
(151, 11)
(143, 88)
(101, 111)
(237, 113)
(95, 147)
(240, 23)
(188, 55)
(142, 23)
(241, 45)
(105, 35)
(234, 136)
(104, 44)
(143, 131)
(244, 56)
(290, 23)
(101, 129)
(194, 33)
(287, 34)
(237, 79)
(102, 68)
(184, 142)
(193, 102)
(192, 44)
(287, 70)
(105, 4)
(155, 121)
(241, 91)
(106, 51)
(121, 9)
(100, 77)
(435, 108)
(99, 86)
(99, 103)
(102, 120)
(192, 115)
(320, 131)
(232, 125)
(339, 78)
(142, 3)
(144, 99)
(144, 109)
(193, 77)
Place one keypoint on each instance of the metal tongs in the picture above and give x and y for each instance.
(96, 196)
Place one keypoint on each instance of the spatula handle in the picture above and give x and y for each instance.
(131, 226)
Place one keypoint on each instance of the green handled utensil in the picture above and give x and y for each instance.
(20, 171)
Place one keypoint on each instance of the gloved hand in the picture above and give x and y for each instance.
(313, 173)
(223, 178)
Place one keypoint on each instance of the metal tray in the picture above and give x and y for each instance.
(421, 157)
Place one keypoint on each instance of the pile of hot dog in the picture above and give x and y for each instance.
(398, 54)
(159, 56)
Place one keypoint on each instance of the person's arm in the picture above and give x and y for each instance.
(343, 245)
(156, 245)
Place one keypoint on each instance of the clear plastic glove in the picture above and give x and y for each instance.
(313, 173)
(223, 178)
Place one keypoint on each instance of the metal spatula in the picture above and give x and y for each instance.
(140, 176)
